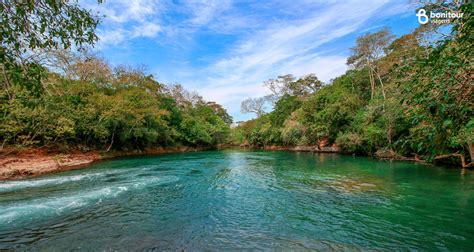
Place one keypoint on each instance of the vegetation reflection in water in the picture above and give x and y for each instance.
(241, 200)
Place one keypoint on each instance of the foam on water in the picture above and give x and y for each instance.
(15, 185)
(47, 206)
(57, 205)
(40, 182)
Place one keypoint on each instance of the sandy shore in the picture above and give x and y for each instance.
(18, 164)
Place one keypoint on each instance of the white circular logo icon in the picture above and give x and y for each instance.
(422, 17)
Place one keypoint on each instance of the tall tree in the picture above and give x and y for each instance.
(280, 85)
(369, 49)
(183, 97)
(306, 85)
(289, 85)
(253, 105)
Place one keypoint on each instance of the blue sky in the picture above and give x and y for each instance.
(225, 49)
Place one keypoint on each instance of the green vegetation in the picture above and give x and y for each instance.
(53, 97)
(406, 96)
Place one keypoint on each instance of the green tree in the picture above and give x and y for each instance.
(29, 25)
(368, 50)
(439, 96)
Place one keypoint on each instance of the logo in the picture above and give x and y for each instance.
(437, 17)
(422, 17)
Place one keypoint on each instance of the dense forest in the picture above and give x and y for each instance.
(55, 93)
(405, 97)
(409, 97)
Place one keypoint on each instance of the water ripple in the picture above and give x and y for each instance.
(240, 200)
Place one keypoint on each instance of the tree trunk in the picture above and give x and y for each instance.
(371, 78)
(111, 141)
(381, 84)
(372, 84)
(471, 151)
(463, 159)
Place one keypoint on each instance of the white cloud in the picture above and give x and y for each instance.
(113, 37)
(125, 19)
(283, 47)
(273, 38)
(123, 11)
(325, 67)
(205, 11)
(148, 29)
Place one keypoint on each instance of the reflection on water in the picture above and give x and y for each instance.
(241, 200)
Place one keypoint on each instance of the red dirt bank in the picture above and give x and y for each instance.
(17, 164)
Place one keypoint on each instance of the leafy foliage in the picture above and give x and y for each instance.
(87, 104)
(411, 95)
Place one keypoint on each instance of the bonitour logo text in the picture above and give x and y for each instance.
(442, 17)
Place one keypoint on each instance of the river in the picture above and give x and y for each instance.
(236, 199)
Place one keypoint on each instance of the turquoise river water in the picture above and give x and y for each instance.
(235, 199)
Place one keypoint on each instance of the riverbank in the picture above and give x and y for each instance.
(455, 161)
(22, 163)
(305, 148)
